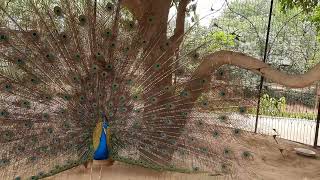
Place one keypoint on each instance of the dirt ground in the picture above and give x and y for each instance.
(268, 164)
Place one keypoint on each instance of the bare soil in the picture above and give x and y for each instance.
(268, 164)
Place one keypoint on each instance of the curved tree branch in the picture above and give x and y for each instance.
(217, 59)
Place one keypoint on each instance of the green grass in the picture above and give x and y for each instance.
(298, 115)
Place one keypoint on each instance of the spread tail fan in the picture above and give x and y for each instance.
(78, 74)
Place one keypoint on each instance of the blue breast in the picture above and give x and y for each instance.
(102, 152)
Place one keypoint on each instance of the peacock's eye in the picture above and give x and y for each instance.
(3, 37)
(123, 109)
(184, 93)
(57, 10)
(8, 87)
(46, 116)
(77, 57)
(215, 134)
(115, 86)
(163, 135)
(4, 162)
(129, 81)
(222, 93)
(236, 131)
(157, 66)
(203, 81)
(50, 130)
(50, 57)
(41, 174)
(154, 100)
(185, 114)
(33, 158)
(242, 110)
(204, 103)
(170, 106)
(226, 151)
(109, 6)
(63, 37)
(110, 104)
(3, 113)
(104, 74)
(82, 20)
(196, 55)
(20, 61)
(34, 35)
(135, 97)
(95, 68)
(109, 67)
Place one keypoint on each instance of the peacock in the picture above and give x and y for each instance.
(85, 80)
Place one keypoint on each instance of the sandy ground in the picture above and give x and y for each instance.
(268, 164)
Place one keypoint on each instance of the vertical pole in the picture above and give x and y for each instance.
(317, 127)
(264, 60)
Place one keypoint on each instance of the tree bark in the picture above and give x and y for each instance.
(217, 59)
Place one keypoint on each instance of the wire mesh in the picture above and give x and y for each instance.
(293, 48)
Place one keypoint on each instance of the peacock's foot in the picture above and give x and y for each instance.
(86, 164)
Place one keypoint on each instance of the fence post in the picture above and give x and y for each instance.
(264, 60)
(317, 126)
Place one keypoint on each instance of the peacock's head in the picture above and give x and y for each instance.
(104, 120)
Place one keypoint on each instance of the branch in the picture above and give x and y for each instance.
(217, 59)
(181, 15)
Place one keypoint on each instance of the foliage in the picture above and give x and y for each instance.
(306, 5)
(271, 105)
(315, 19)
(310, 116)
(296, 115)
(295, 97)
(312, 62)
(305, 98)
(220, 39)
(292, 41)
